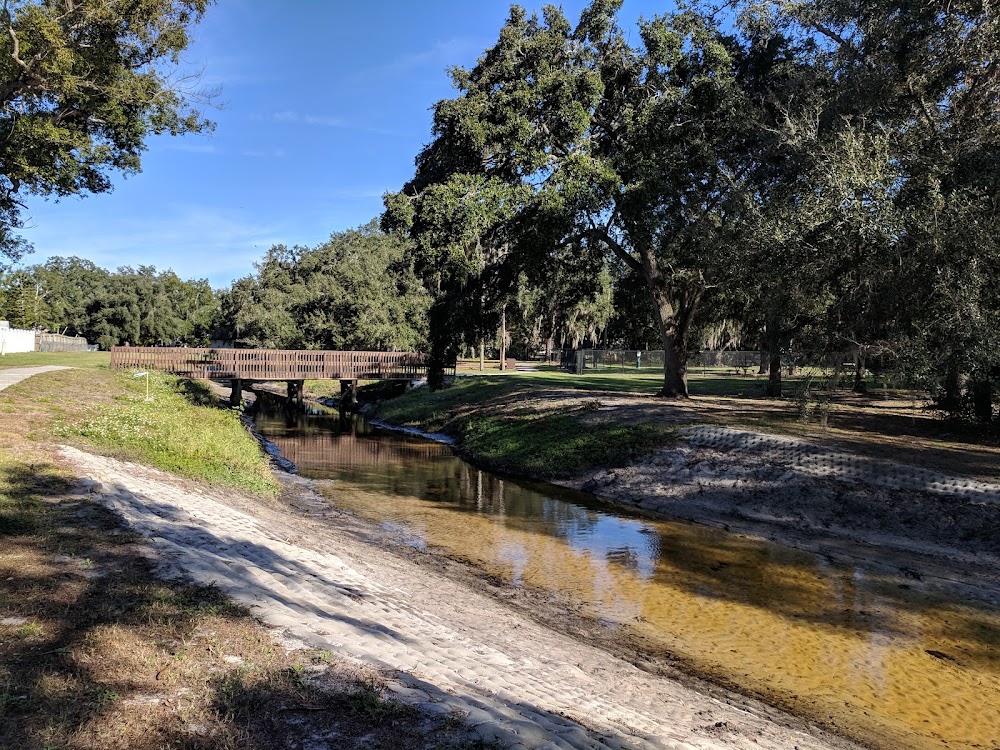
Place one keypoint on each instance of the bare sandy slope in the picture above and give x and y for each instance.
(904, 517)
(457, 651)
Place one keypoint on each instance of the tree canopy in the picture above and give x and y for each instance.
(821, 173)
(355, 291)
(140, 306)
(82, 85)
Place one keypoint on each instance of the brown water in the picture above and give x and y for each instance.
(882, 658)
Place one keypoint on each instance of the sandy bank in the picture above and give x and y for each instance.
(796, 492)
(320, 577)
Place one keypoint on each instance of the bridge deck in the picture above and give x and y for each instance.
(271, 364)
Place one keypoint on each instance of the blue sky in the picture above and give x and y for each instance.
(324, 106)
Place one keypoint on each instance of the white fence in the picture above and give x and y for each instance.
(15, 339)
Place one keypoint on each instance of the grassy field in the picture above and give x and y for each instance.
(179, 429)
(89, 360)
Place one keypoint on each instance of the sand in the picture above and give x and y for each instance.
(452, 650)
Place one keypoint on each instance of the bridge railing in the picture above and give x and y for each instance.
(271, 364)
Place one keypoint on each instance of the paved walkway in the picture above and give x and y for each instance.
(14, 375)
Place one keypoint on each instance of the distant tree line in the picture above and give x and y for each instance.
(138, 306)
(355, 291)
(819, 174)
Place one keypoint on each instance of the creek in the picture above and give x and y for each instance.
(883, 657)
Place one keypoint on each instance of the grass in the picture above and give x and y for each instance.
(535, 424)
(180, 429)
(89, 360)
(557, 445)
(503, 422)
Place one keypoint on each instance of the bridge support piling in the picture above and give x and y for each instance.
(236, 397)
(295, 392)
(348, 395)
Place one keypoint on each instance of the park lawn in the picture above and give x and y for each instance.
(89, 360)
(555, 424)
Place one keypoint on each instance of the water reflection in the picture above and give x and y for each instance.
(876, 655)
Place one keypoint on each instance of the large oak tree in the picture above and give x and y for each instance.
(82, 85)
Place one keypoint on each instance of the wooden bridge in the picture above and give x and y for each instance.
(244, 366)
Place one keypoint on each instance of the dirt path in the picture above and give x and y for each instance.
(15, 375)
(458, 652)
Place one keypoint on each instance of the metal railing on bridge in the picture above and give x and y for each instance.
(271, 364)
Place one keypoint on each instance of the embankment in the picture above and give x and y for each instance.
(650, 455)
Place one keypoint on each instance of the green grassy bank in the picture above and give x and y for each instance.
(179, 427)
(529, 425)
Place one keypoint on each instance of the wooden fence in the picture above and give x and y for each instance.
(55, 342)
(271, 364)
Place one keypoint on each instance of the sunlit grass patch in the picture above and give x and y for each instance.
(499, 424)
(179, 429)
(89, 360)
(431, 410)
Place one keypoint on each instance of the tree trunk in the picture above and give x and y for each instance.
(503, 338)
(773, 341)
(860, 386)
(674, 369)
(982, 401)
(482, 355)
(951, 400)
(674, 317)
(765, 359)
(443, 346)
(774, 375)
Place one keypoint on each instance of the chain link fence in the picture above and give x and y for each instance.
(651, 360)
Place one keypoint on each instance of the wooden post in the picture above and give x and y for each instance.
(354, 394)
(300, 387)
(236, 397)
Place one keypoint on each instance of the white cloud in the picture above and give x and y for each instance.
(190, 146)
(296, 118)
(359, 193)
(441, 54)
